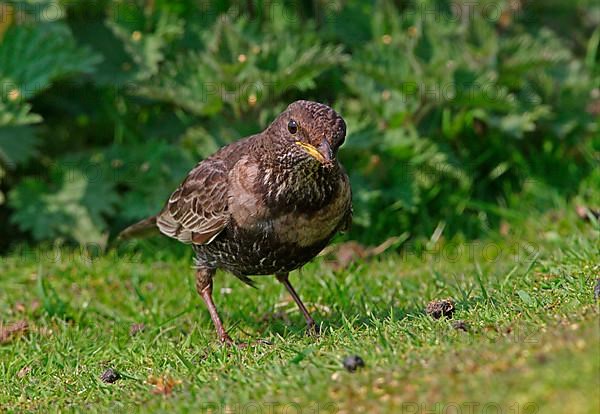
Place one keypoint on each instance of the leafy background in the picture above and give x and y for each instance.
(458, 111)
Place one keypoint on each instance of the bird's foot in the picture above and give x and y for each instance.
(227, 341)
(313, 330)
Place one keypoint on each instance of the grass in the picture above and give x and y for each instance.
(526, 298)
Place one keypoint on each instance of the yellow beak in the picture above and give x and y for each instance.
(311, 150)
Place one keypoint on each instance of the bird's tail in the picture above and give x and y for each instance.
(141, 229)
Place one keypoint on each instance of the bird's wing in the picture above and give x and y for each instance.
(346, 222)
(197, 211)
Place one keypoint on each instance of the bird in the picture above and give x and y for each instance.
(264, 205)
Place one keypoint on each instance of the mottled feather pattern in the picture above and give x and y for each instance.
(197, 210)
(263, 205)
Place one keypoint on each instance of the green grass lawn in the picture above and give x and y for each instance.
(531, 343)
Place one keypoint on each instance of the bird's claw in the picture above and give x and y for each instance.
(313, 330)
(227, 341)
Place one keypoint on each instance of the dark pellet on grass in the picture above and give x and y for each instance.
(597, 290)
(110, 376)
(438, 308)
(460, 326)
(542, 358)
(353, 362)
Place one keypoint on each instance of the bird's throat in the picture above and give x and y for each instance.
(307, 187)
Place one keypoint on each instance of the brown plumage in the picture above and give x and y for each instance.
(266, 204)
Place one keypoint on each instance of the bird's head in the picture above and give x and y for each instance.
(310, 132)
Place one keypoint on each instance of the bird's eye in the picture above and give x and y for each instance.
(292, 127)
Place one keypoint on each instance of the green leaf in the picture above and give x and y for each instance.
(17, 113)
(239, 69)
(17, 144)
(71, 207)
(32, 57)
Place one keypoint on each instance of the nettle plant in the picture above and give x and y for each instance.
(453, 108)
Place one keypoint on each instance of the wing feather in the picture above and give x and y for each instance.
(197, 211)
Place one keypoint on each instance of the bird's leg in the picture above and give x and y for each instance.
(311, 327)
(204, 286)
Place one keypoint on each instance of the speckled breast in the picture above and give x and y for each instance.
(248, 253)
(277, 241)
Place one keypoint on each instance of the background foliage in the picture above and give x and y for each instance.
(457, 110)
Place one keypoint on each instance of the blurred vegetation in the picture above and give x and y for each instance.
(457, 110)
